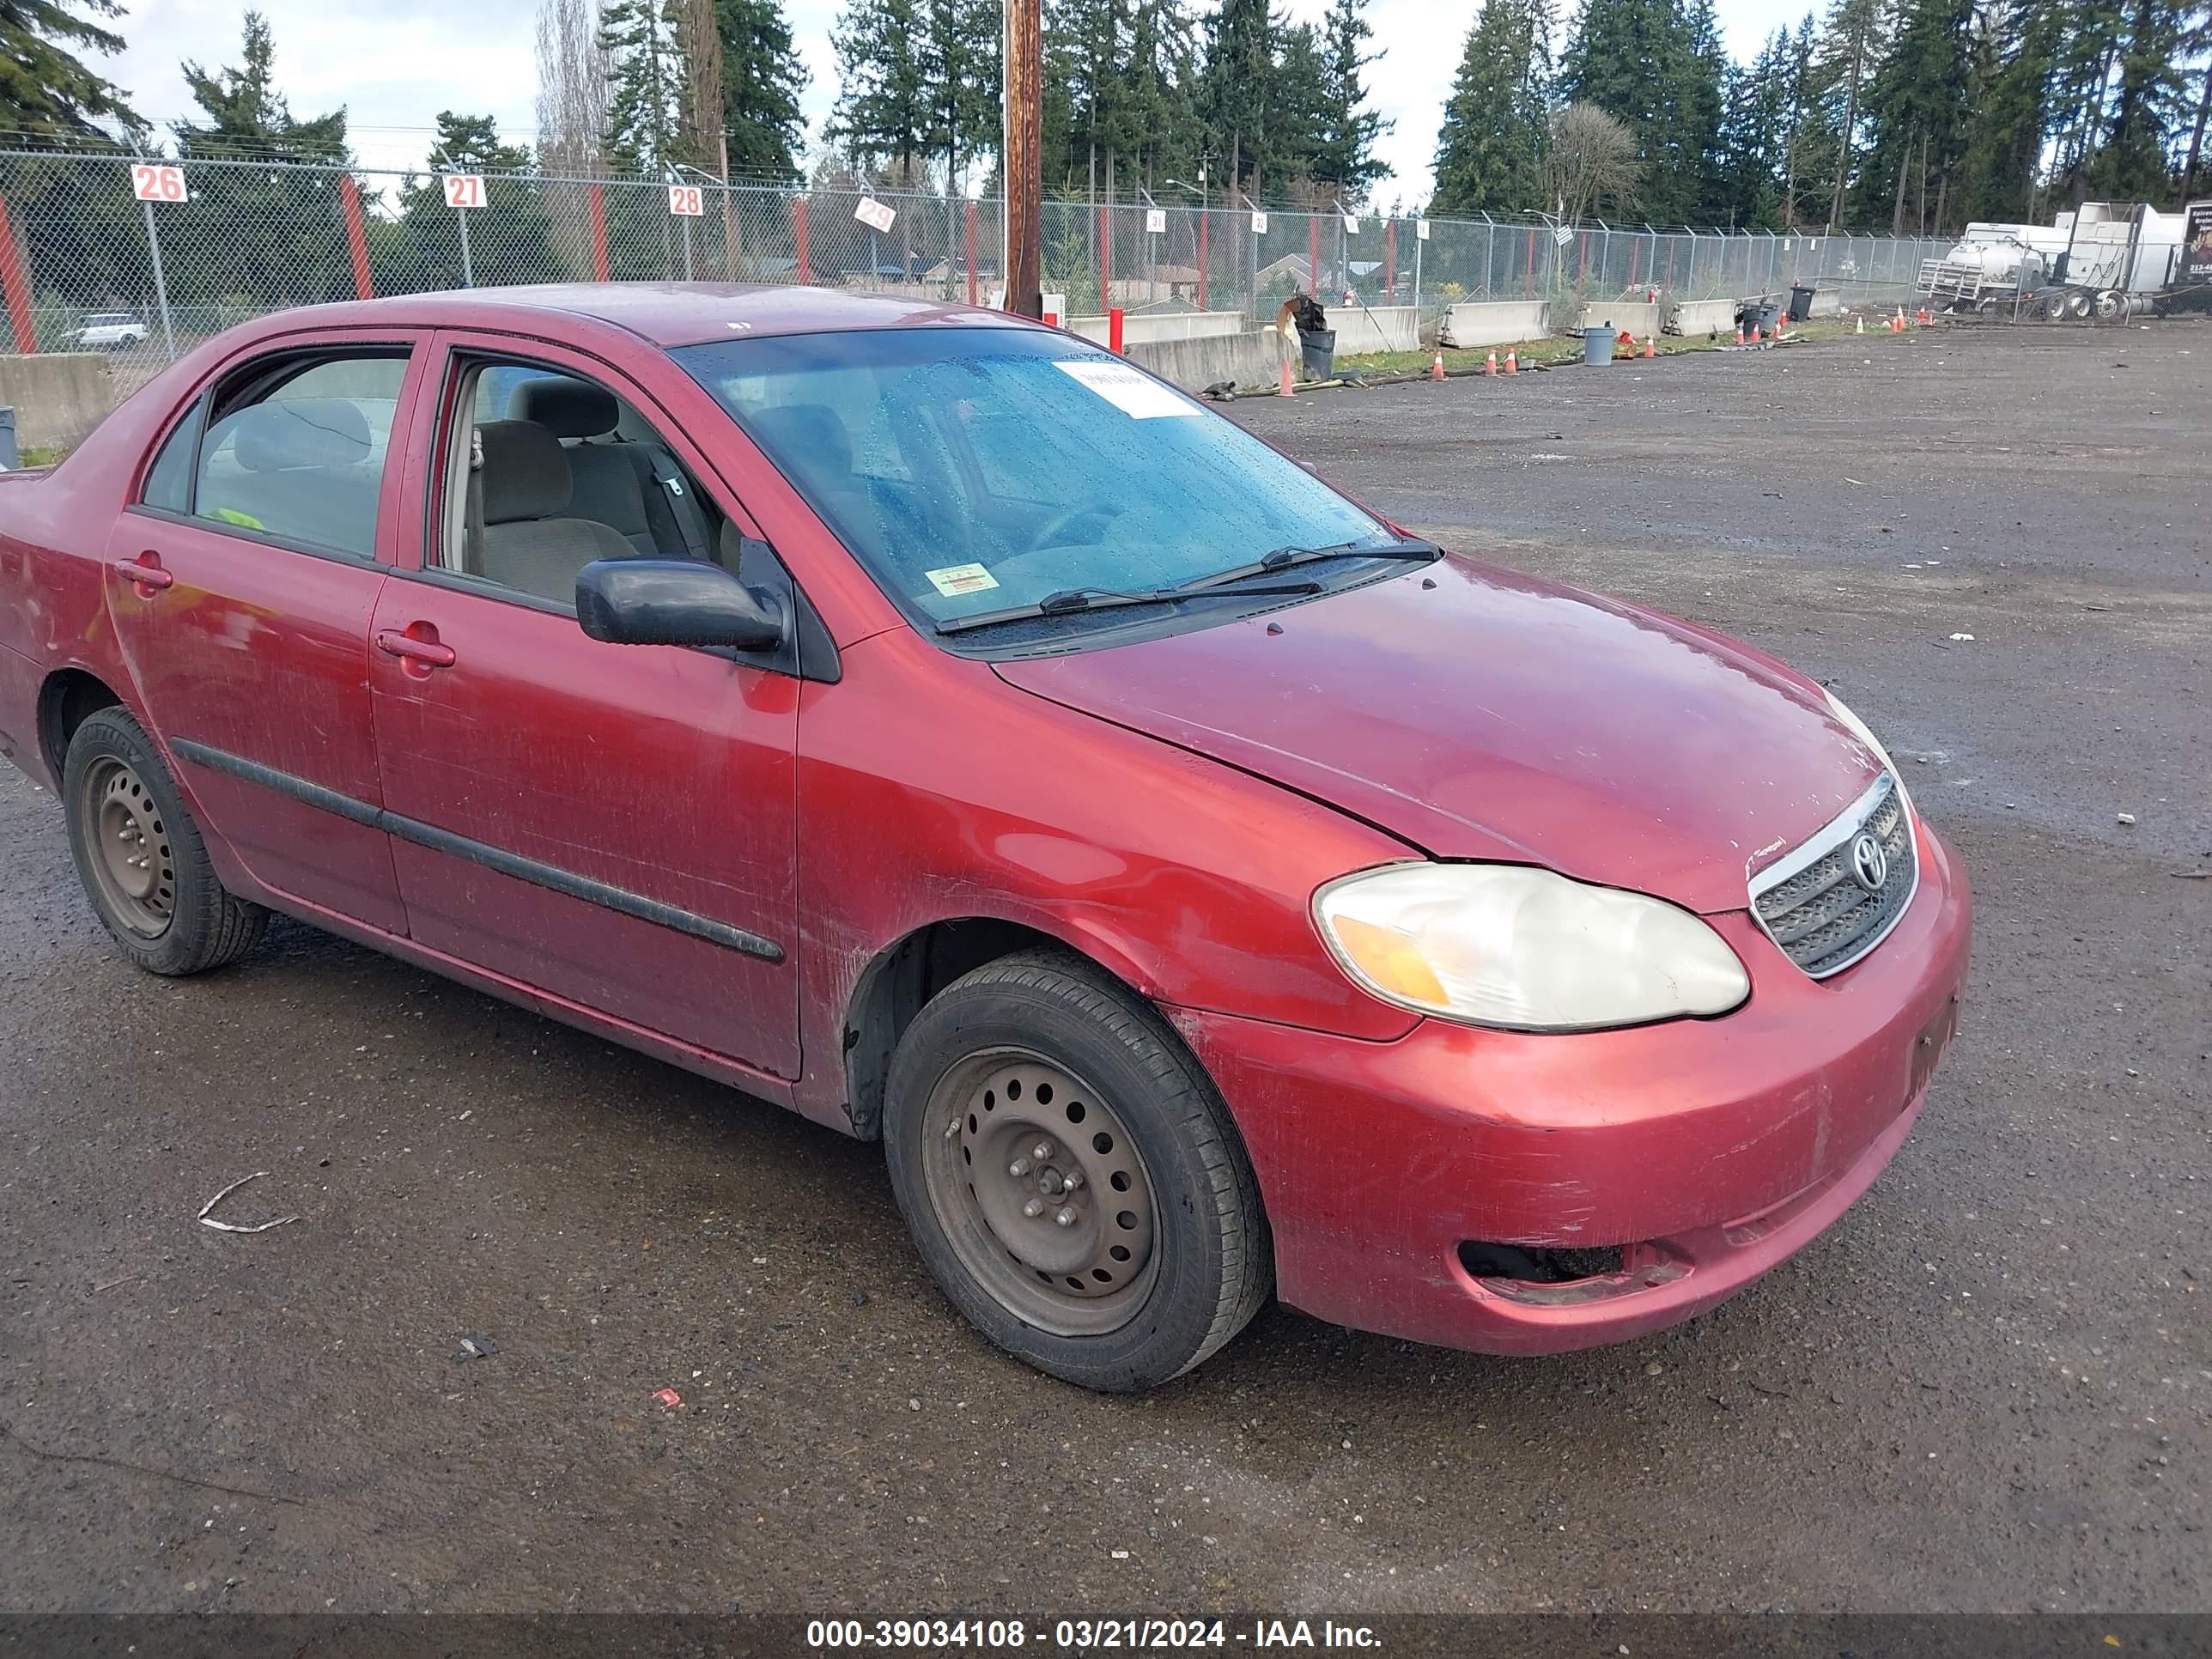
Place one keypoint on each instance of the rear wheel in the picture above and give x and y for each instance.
(140, 856)
(1071, 1175)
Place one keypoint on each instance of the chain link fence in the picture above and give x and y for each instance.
(86, 265)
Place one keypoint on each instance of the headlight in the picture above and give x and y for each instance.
(1858, 729)
(1508, 946)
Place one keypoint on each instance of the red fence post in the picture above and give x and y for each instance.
(1105, 257)
(798, 238)
(1313, 254)
(357, 237)
(599, 233)
(1670, 264)
(971, 250)
(1390, 261)
(1635, 258)
(1528, 276)
(1114, 318)
(1204, 217)
(16, 287)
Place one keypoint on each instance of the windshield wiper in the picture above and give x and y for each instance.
(1283, 558)
(1071, 601)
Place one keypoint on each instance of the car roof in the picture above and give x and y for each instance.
(666, 313)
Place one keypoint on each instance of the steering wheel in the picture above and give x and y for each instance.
(1048, 534)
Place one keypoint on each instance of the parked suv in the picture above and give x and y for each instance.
(108, 331)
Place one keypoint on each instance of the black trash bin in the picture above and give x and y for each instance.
(8, 456)
(1317, 348)
(1800, 303)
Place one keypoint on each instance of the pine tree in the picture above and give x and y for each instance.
(645, 110)
(2147, 105)
(510, 240)
(1754, 136)
(1920, 106)
(264, 237)
(1490, 150)
(2008, 128)
(46, 89)
(1653, 65)
(1344, 155)
(886, 107)
(1240, 72)
(762, 76)
(1297, 109)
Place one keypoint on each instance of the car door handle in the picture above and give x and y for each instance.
(145, 570)
(429, 653)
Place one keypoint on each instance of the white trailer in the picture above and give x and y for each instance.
(2104, 258)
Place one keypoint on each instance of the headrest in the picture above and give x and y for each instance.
(808, 431)
(525, 472)
(273, 437)
(566, 409)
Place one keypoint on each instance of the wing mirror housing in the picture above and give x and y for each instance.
(674, 602)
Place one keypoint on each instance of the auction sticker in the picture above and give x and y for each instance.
(1138, 396)
(958, 579)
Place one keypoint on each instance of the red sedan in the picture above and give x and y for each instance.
(932, 724)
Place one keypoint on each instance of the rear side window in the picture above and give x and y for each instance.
(169, 480)
(301, 456)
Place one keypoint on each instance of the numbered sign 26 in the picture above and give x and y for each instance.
(686, 201)
(463, 190)
(153, 183)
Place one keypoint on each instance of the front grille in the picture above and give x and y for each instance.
(1814, 903)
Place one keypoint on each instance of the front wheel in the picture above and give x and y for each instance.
(1071, 1177)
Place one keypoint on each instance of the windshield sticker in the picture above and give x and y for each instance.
(1138, 396)
(956, 579)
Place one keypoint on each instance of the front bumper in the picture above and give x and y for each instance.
(1711, 1150)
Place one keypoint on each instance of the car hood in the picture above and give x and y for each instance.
(1480, 713)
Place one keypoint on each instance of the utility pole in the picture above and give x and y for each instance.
(1021, 159)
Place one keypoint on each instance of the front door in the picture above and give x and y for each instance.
(615, 825)
(241, 584)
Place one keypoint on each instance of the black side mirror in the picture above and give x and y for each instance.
(674, 602)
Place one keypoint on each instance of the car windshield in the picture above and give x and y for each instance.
(978, 470)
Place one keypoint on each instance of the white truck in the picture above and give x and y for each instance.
(107, 331)
(2104, 258)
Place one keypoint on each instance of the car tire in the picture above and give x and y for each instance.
(140, 857)
(1042, 1052)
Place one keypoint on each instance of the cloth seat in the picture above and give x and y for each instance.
(614, 482)
(531, 540)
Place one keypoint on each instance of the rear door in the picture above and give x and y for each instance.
(613, 825)
(241, 583)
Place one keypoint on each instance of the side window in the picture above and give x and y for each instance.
(169, 480)
(546, 471)
(297, 449)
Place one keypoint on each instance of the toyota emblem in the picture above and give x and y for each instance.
(1870, 863)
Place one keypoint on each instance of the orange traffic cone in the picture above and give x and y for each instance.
(1754, 334)
(1900, 319)
(1739, 331)
(1436, 369)
(1282, 386)
(1490, 365)
(1512, 362)
(1651, 346)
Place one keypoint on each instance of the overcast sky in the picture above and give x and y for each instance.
(395, 63)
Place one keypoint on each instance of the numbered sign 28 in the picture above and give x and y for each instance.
(150, 182)
(686, 201)
(463, 190)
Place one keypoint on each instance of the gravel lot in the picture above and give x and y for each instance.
(1990, 1387)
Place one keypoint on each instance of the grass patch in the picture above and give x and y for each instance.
(1544, 353)
(42, 454)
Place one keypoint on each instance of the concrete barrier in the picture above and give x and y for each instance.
(1148, 328)
(1828, 302)
(1362, 329)
(1494, 322)
(58, 396)
(1253, 357)
(1702, 316)
(1636, 317)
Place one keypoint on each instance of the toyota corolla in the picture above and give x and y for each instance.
(921, 719)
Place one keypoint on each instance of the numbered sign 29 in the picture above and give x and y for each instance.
(463, 190)
(875, 215)
(686, 201)
(150, 182)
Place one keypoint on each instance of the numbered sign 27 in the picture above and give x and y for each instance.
(686, 201)
(150, 182)
(463, 190)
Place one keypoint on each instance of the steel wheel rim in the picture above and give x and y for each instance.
(132, 863)
(1011, 1142)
